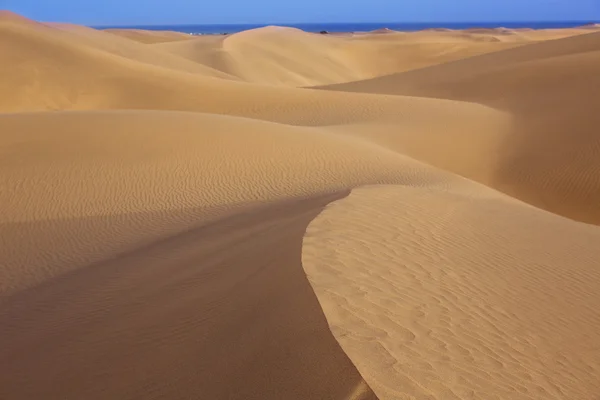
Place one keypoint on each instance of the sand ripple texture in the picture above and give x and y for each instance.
(445, 296)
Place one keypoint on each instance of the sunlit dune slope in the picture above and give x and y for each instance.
(287, 56)
(551, 157)
(275, 55)
(479, 65)
(459, 294)
(21, 39)
(272, 55)
(78, 78)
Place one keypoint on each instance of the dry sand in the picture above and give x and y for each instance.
(180, 220)
(150, 37)
(550, 89)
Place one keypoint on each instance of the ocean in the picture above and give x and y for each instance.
(354, 27)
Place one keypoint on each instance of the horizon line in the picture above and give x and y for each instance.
(343, 23)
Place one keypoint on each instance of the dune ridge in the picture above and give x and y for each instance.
(549, 89)
(181, 220)
(290, 57)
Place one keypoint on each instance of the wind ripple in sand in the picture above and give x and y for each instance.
(441, 295)
(222, 311)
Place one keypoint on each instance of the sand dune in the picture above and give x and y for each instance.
(590, 26)
(149, 37)
(290, 57)
(109, 154)
(550, 159)
(186, 223)
(96, 80)
(276, 55)
(127, 257)
(383, 30)
(20, 38)
(148, 324)
(479, 65)
(455, 295)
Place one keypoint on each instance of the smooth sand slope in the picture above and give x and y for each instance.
(24, 41)
(180, 222)
(550, 89)
(94, 79)
(290, 57)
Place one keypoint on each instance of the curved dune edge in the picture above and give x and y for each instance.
(437, 294)
(135, 293)
(154, 297)
(182, 318)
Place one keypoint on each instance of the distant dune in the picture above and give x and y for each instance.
(383, 30)
(549, 88)
(150, 37)
(290, 57)
(590, 26)
(276, 214)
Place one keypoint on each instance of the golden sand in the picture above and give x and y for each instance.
(276, 214)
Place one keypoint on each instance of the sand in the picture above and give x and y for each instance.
(276, 214)
(550, 89)
(150, 37)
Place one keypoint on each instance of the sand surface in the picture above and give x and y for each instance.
(277, 214)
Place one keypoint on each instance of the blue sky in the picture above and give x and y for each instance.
(146, 12)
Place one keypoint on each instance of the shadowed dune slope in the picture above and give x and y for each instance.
(551, 157)
(124, 154)
(181, 318)
(157, 285)
(148, 258)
